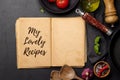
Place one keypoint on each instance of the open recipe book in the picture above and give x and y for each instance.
(44, 42)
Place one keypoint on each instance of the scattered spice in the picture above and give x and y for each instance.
(42, 10)
(102, 70)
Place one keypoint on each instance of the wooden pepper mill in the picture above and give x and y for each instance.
(110, 12)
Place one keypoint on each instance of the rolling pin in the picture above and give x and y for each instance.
(110, 12)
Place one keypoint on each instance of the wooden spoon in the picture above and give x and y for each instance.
(55, 75)
(67, 73)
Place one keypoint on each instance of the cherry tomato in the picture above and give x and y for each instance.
(51, 0)
(62, 3)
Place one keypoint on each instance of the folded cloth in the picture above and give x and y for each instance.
(92, 32)
(92, 56)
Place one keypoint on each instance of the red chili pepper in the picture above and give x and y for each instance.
(101, 70)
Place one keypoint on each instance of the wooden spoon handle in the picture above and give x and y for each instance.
(110, 12)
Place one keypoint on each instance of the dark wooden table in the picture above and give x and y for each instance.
(10, 10)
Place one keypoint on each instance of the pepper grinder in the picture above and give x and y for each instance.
(110, 12)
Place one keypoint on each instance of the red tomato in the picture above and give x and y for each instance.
(51, 0)
(62, 3)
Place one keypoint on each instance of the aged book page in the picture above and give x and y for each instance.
(33, 42)
(68, 41)
(45, 42)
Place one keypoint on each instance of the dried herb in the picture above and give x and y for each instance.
(42, 10)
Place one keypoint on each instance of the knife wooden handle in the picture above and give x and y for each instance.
(87, 17)
(110, 12)
(90, 19)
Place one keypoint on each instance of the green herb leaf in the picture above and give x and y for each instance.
(97, 39)
(97, 45)
(96, 49)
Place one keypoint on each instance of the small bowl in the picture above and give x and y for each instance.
(101, 69)
(51, 7)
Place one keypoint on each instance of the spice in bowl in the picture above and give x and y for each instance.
(101, 69)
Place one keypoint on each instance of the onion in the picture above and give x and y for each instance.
(87, 74)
